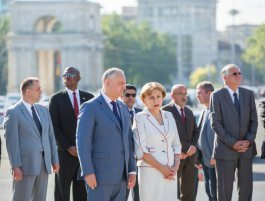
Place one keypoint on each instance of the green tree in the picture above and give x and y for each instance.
(254, 55)
(142, 53)
(203, 73)
(4, 27)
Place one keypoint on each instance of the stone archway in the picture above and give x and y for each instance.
(49, 60)
(46, 36)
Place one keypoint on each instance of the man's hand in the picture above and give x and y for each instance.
(213, 161)
(192, 150)
(241, 146)
(72, 150)
(17, 174)
(131, 181)
(55, 168)
(184, 156)
(91, 181)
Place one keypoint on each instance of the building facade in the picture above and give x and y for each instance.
(46, 36)
(192, 22)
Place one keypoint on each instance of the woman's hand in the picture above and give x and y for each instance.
(166, 171)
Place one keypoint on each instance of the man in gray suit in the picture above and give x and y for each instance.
(104, 141)
(234, 120)
(30, 144)
(206, 140)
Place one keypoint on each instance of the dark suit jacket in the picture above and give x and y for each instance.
(189, 133)
(230, 127)
(262, 116)
(137, 110)
(64, 119)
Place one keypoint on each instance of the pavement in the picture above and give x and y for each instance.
(258, 175)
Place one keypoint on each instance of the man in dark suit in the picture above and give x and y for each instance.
(188, 134)
(30, 144)
(128, 97)
(104, 142)
(234, 120)
(64, 108)
(206, 140)
(262, 116)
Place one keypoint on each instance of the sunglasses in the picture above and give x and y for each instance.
(128, 95)
(66, 75)
(236, 73)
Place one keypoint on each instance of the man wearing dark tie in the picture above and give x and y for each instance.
(30, 144)
(104, 142)
(128, 97)
(64, 108)
(206, 140)
(234, 120)
(188, 134)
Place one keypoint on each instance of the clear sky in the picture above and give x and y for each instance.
(251, 11)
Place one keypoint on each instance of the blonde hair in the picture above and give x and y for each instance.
(151, 86)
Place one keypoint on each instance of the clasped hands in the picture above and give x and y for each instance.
(241, 146)
(169, 172)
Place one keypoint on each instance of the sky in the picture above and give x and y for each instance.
(250, 11)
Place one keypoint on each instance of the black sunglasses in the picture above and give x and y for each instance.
(69, 75)
(128, 95)
(236, 73)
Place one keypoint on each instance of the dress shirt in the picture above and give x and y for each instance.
(71, 96)
(231, 93)
(28, 107)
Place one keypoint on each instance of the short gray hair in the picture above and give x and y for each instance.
(226, 68)
(206, 85)
(111, 71)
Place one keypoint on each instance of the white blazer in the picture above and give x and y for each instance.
(162, 142)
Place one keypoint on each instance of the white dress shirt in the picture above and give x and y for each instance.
(71, 96)
(231, 92)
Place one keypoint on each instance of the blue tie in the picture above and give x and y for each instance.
(236, 103)
(115, 111)
(36, 119)
(132, 115)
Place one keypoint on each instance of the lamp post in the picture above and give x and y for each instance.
(233, 13)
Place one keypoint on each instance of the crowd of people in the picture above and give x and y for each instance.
(105, 148)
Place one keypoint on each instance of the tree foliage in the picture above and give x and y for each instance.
(142, 53)
(203, 73)
(255, 51)
(4, 27)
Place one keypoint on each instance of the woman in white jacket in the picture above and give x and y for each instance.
(157, 147)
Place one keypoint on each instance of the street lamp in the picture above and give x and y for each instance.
(233, 13)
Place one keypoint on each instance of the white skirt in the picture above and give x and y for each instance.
(153, 186)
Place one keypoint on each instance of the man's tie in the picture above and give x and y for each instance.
(36, 119)
(115, 111)
(236, 103)
(76, 109)
(132, 115)
(183, 118)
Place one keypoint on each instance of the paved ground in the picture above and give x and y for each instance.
(259, 177)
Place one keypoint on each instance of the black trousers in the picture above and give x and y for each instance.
(69, 167)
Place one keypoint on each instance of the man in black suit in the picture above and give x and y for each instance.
(262, 116)
(188, 134)
(234, 120)
(64, 108)
(128, 98)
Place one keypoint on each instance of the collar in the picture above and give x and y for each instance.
(70, 92)
(231, 92)
(107, 99)
(27, 105)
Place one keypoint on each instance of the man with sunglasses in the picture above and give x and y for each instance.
(234, 120)
(64, 108)
(128, 97)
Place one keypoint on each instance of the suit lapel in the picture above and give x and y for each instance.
(67, 100)
(107, 110)
(177, 116)
(241, 101)
(82, 97)
(27, 115)
(229, 101)
(155, 123)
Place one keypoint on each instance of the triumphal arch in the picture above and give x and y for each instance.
(46, 36)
